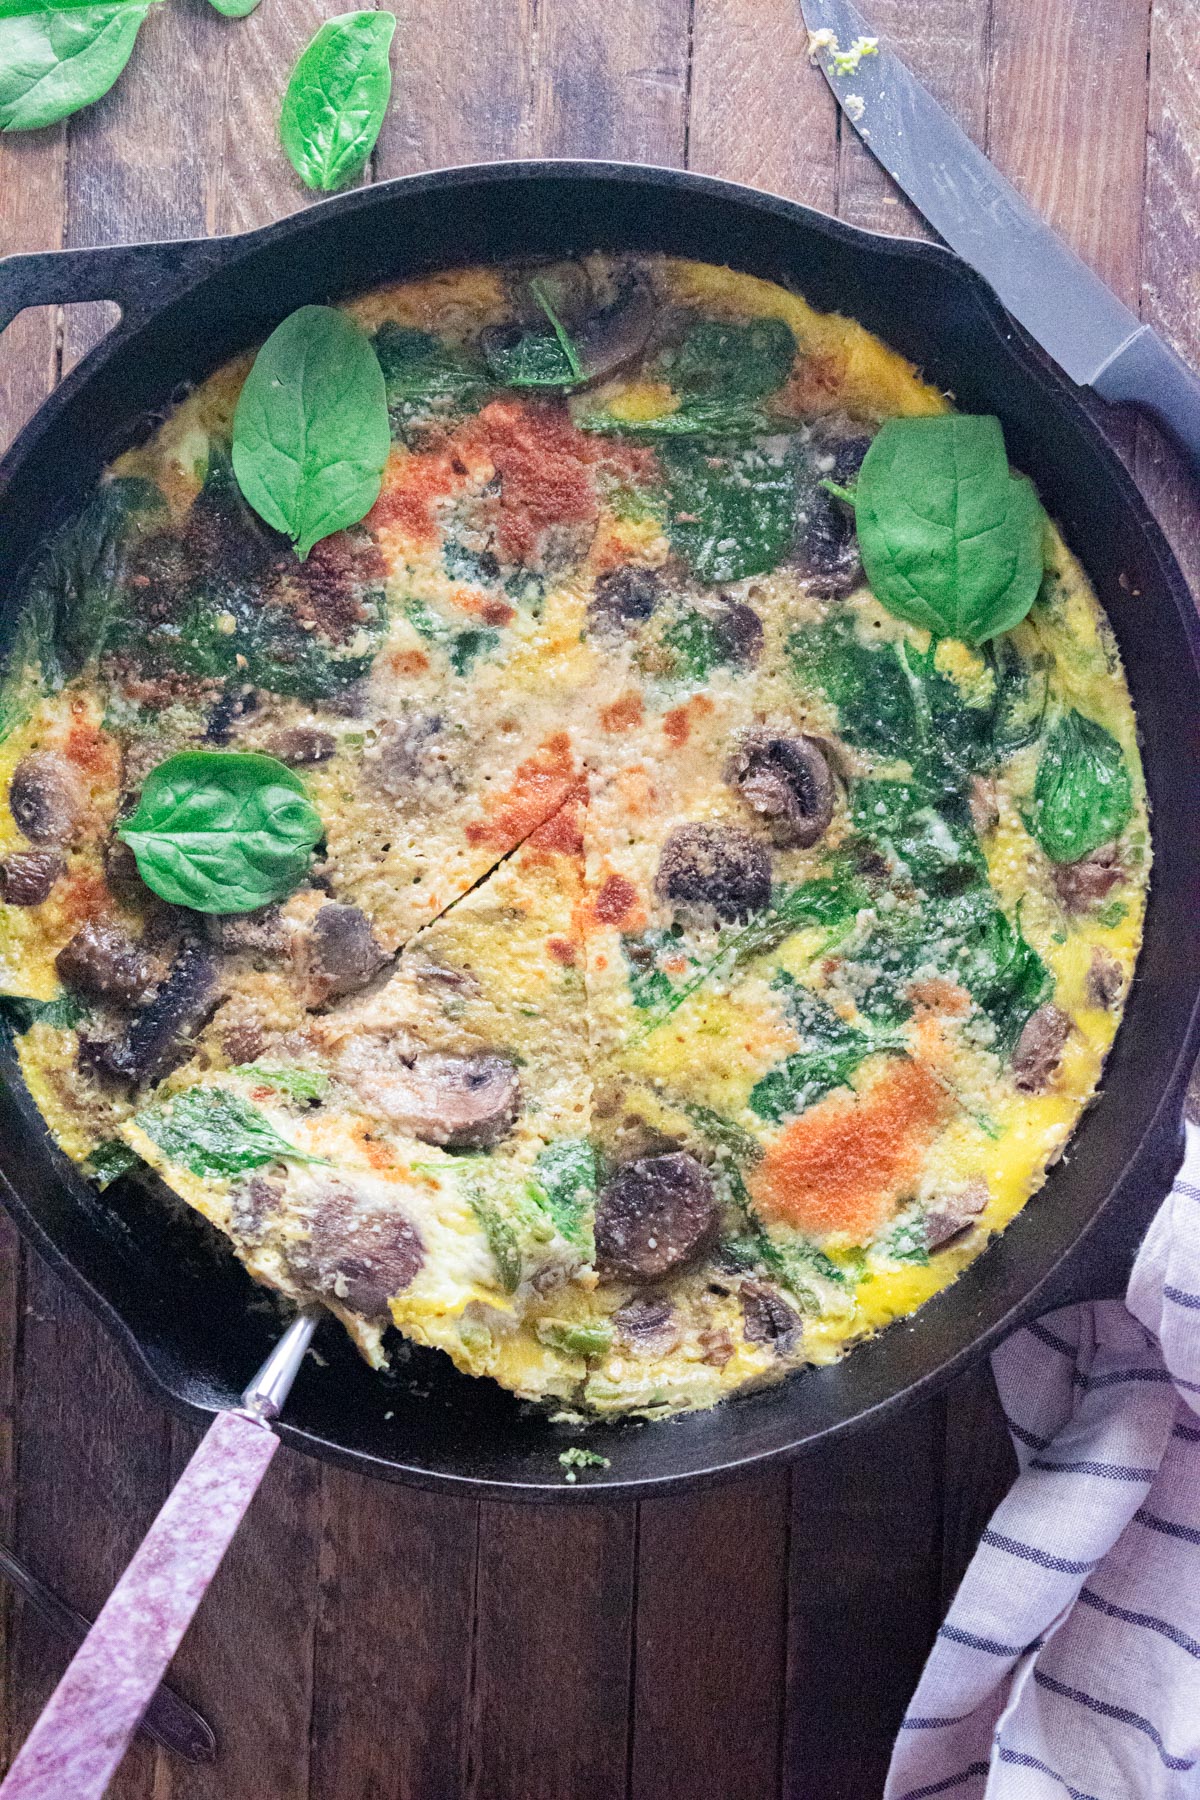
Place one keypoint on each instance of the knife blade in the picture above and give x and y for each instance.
(1074, 316)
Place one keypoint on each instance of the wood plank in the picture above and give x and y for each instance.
(93, 1460)
(609, 80)
(256, 182)
(393, 1648)
(247, 1660)
(32, 178)
(865, 1600)
(711, 1643)
(1171, 268)
(462, 93)
(123, 183)
(944, 43)
(749, 62)
(1068, 121)
(553, 1628)
(978, 1470)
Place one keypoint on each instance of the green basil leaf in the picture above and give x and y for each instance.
(1082, 794)
(216, 1134)
(951, 539)
(59, 55)
(222, 831)
(311, 432)
(731, 508)
(337, 97)
(235, 9)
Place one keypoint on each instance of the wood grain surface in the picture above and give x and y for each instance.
(365, 1642)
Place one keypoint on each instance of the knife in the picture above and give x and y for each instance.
(1079, 321)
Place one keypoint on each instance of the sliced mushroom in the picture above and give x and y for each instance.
(339, 953)
(1039, 1049)
(262, 930)
(412, 752)
(360, 1258)
(739, 631)
(298, 744)
(102, 962)
(654, 1217)
(460, 1102)
(47, 797)
(767, 1318)
(646, 1328)
(623, 596)
(955, 1212)
(604, 340)
(717, 867)
(787, 781)
(159, 1037)
(1105, 979)
(827, 544)
(27, 876)
(1083, 884)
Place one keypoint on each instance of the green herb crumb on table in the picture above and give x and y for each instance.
(577, 1458)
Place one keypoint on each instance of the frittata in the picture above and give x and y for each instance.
(703, 815)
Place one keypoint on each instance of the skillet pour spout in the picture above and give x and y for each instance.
(183, 1312)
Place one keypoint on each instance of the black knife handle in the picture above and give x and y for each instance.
(1146, 372)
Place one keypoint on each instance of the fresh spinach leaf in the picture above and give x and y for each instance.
(222, 831)
(63, 1012)
(235, 9)
(59, 55)
(565, 1171)
(731, 508)
(951, 539)
(216, 1134)
(336, 99)
(1082, 793)
(311, 432)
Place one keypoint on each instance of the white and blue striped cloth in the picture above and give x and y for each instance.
(1069, 1664)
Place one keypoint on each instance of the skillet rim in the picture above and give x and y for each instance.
(188, 265)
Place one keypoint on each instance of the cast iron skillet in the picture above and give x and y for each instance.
(181, 1313)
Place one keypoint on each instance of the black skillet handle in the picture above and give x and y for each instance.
(137, 276)
(1146, 372)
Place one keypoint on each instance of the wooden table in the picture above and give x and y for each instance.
(368, 1642)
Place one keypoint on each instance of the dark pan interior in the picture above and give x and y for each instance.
(181, 1306)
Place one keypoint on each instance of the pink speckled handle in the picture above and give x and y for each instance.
(89, 1719)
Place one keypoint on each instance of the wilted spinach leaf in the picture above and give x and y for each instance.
(950, 538)
(700, 416)
(109, 1160)
(422, 375)
(63, 1012)
(731, 508)
(868, 684)
(336, 99)
(937, 847)
(731, 362)
(216, 1134)
(566, 1173)
(1082, 793)
(311, 432)
(830, 1050)
(536, 358)
(59, 55)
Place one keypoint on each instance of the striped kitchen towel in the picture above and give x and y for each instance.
(1069, 1664)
